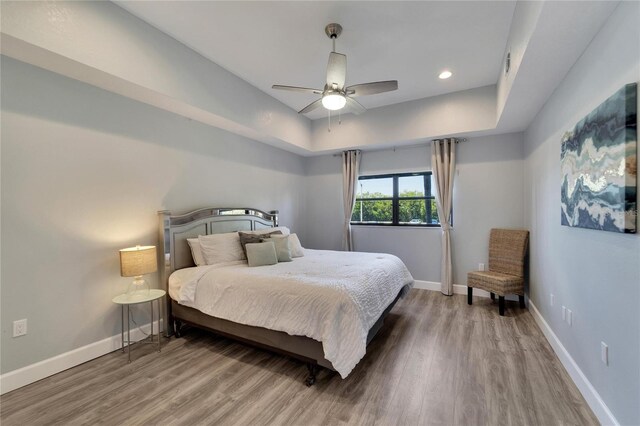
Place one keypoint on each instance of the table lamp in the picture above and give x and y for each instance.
(136, 262)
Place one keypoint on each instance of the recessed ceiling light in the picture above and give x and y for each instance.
(445, 74)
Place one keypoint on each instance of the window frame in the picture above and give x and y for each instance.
(395, 200)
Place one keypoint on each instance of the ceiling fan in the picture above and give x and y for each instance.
(335, 95)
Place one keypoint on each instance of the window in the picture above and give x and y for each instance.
(403, 199)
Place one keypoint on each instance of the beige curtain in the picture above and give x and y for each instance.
(350, 169)
(443, 163)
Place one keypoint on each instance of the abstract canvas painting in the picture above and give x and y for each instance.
(599, 167)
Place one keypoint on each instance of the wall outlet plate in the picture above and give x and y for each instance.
(20, 327)
(480, 266)
(569, 317)
(604, 353)
(552, 299)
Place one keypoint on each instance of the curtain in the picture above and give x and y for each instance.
(443, 163)
(350, 169)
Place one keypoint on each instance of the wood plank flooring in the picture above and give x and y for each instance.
(436, 361)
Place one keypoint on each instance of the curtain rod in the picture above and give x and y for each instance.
(457, 140)
(339, 154)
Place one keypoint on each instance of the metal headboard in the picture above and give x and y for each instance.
(173, 250)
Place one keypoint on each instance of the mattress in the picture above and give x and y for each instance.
(332, 297)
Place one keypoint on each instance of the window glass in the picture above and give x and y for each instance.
(434, 213)
(412, 211)
(375, 188)
(369, 211)
(411, 186)
(403, 199)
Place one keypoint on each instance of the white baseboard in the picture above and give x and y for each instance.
(595, 402)
(457, 289)
(38, 371)
(600, 409)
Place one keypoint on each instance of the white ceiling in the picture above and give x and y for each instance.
(268, 43)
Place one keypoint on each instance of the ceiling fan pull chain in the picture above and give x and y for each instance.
(329, 127)
(339, 118)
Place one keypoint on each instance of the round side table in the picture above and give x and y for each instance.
(125, 300)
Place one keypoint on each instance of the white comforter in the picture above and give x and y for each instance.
(333, 297)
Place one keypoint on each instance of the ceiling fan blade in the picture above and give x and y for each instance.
(372, 88)
(312, 106)
(297, 89)
(337, 70)
(354, 106)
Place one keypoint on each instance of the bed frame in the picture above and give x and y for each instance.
(174, 253)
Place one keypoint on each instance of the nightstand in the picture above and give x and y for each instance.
(123, 300)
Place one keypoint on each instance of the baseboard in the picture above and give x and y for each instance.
(457, 289)
(600, 409)
(40, 370)
(595, 402)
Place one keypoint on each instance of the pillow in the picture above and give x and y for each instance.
(246, 237)
(295, 246)
(261, 254)
(283, 230)
(219, 248)
(196, 251)
(281, 242)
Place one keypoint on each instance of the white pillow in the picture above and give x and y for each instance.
(196, 251)
(283, 229)
(218, 248)
(295, 246)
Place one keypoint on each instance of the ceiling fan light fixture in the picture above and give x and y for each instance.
(445, 74)
(336, 95)
(333, 101)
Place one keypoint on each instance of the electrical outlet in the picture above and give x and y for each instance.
(564, 313)
(480, 266)
(20, 327)
(569, 317)
(604, 353)
(552, 299)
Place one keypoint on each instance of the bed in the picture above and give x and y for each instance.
(315, 336)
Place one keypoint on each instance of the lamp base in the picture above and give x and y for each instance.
(138, 288)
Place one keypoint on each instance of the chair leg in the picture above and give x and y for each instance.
(521, 300)
(493, 296)
(469, 295)
(501, 305)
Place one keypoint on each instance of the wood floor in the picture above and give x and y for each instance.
(436, 361)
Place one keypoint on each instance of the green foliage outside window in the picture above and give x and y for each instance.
(372, 211)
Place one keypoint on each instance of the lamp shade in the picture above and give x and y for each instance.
(140, 260)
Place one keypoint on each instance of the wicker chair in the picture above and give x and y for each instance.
(507, 252)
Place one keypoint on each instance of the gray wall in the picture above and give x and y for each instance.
(83, 173)
(100, 43)
(595, 274)
(488, 193)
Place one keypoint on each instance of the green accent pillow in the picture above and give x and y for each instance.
(261, 254)
(283, 251)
